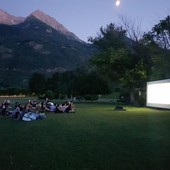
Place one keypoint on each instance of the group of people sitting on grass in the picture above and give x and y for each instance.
(34, 110)
(66, 107)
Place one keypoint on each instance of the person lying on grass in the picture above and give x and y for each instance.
(67, 107)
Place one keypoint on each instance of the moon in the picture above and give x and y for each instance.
(117, 2)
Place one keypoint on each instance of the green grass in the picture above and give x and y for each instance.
(94, 138)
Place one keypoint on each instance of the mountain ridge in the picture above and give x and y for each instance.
(8, 19)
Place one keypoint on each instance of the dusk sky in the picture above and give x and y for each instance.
(85, 17)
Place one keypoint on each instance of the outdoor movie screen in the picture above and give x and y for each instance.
(158, 94)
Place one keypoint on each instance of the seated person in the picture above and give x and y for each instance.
(58, 109)
(17, 111)
(5, 107)
(52, 108)
(70, 107)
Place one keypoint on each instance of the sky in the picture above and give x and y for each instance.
(85, 17)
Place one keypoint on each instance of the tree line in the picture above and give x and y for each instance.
(76, 83)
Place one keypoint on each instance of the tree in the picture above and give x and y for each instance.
(160, 34)
(92, 84)
(120, 58)
(132, 28)
(158, 41)
(109, 37)
(112, 51)
(53, 84)
(81, 82)
(37, 83)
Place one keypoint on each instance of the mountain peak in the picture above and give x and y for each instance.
(8, 19)
(39, 14)
(53, 23)
(48, 20)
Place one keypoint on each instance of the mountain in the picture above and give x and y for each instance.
(37, 43)
(53, 23)
(8, 19)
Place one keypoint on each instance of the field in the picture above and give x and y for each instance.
(94, 138)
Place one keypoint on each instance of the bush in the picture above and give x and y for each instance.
(91, 97)
(49, 94)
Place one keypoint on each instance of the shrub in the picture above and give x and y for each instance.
(91, 97)
(49, 94)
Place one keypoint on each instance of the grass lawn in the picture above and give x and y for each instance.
(94, 138)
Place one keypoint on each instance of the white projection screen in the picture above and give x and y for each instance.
(158, 94)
